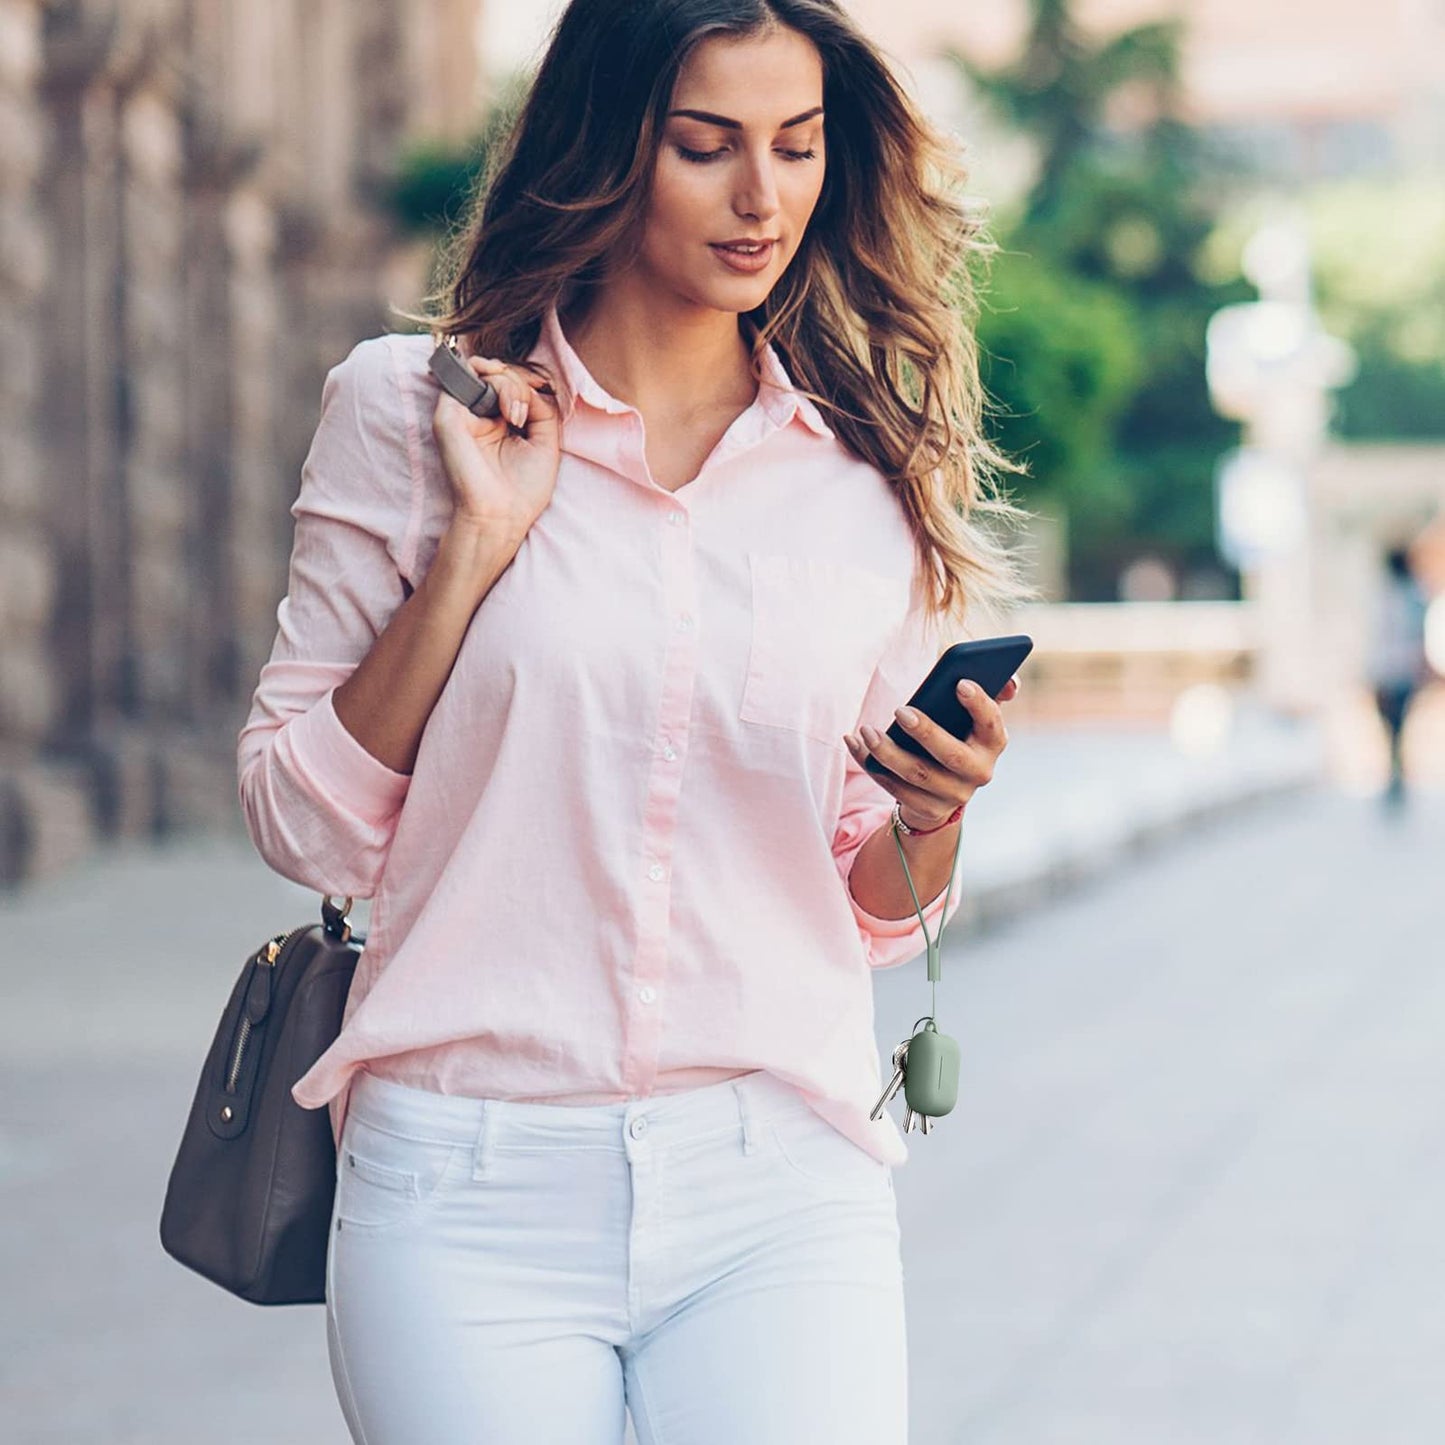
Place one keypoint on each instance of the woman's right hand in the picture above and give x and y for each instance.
(502, 468)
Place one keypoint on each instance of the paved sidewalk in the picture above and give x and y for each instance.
(1192, 1190)
(1069, 805)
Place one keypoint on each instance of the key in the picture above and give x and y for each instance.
(894, 1084)
(927, 1124)
(909, 1120)
(900, 1054)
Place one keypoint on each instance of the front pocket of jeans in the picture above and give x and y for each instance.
(815, 1151)
(383, 1180)
(818, 629)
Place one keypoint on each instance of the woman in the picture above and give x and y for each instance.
(1398, 661)
(575, 694)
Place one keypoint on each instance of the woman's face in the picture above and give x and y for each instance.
(741, 159)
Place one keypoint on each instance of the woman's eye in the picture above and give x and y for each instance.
(703, 156)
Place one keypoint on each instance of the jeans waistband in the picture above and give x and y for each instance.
(664, 1120)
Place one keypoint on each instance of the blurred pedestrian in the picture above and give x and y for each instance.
(573, 691)
(1397, 660)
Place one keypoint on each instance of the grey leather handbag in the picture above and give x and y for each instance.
(248, 1204)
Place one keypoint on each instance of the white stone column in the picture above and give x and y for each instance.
(1272, 366)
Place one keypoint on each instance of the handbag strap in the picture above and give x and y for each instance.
(333, 919)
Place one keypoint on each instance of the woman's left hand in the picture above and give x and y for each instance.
(931, 790)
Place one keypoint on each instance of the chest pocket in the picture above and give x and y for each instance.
(818, 629)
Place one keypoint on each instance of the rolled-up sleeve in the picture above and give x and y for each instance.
(320, 809)
(867, 805)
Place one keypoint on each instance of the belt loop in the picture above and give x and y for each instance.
(486, 1137)
(745, 1108)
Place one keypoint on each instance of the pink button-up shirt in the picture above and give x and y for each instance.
(619, 867)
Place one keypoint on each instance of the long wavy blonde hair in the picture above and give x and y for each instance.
(874, 316)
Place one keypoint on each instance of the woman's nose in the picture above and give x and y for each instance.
(758, 196)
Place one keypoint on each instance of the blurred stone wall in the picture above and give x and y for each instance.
(190, 236)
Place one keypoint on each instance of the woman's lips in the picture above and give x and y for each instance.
(748, 261)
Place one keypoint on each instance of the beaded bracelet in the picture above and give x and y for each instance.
(903, 827)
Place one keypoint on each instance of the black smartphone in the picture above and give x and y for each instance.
(990, 662)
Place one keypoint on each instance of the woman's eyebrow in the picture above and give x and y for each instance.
(722, 120)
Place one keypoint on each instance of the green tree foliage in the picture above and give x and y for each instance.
(1105, 247)
(1061, 360)
(1377, 246)
(1379, 267)
(437, 180)
(1393, 397)
(433, 184)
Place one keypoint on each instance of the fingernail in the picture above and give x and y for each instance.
(870, 734)
(907, 715)
(965, 687)
(519, 413)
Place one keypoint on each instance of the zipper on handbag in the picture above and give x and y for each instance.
(257, 1003)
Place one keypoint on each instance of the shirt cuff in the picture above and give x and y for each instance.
(338, 769)
(895, 927)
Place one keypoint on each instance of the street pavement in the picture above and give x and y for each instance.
(1190, 1192)
(1068, 804)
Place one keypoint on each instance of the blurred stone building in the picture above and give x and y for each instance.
(191, 234)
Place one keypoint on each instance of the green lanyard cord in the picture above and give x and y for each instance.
(933, 956)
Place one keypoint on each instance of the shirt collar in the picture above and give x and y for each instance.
(778, 389)
(776, 393)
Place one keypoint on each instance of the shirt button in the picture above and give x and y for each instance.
(670, 754)
(655, 872)
(684, 622)
(674, 517)
(647, 993)
(638, 1127)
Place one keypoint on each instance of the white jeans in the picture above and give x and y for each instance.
(722, 1261)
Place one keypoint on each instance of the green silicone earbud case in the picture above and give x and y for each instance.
(930, 1082)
